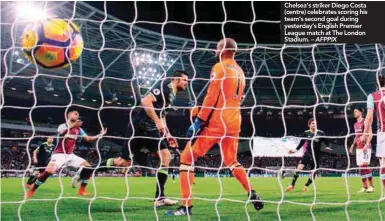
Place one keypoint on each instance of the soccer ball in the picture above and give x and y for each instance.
(52, 43)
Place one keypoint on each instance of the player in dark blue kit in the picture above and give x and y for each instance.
(149, 129)
(308, 159)
(41, 157)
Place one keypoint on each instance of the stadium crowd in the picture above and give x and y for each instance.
(15, 157)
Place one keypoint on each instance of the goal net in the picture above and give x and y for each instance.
(124, 51)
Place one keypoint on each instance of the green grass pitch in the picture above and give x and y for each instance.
(138, 206)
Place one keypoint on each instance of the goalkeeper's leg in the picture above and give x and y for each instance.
(125, 160)
(230, 149)
(126, 155)
(193, 150)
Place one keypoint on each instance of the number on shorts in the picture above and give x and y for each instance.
(366, 155)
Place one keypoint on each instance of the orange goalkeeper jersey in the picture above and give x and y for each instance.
(221, 106)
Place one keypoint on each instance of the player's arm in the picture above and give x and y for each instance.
(299, 146)
(326, 142)
(213, 93)
(352, 146)
(369, 139)
(209, 102)
(172, 142)
(147, 103)
(369, 117)
(92, 138)
(35, 154)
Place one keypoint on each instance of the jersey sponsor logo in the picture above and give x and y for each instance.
(71, 136)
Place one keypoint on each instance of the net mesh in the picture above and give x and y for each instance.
(121, 61)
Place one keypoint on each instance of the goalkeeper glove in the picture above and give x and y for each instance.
(195, 127)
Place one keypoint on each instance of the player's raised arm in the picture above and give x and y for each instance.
(92, 138)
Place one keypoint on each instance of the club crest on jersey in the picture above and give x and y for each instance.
(156, 91)
(213, 74)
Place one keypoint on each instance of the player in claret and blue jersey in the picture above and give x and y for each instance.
(63, 154)
(363, 155)
(375, 102)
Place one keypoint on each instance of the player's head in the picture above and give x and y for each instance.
(180, 78)
(50, 139)
(381, 80)
(226, 46)
(73, 115)
(358, 112)
(311, 123)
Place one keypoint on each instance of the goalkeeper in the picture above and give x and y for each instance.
(308, 158)
(150, 130)
(218, 121)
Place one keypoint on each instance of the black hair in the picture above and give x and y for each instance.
(360, 109)
(309, 121)
(179, 73)
(381, 79)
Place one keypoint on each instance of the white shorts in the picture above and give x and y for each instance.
(380, 152)
(71, 160)
(363, 157)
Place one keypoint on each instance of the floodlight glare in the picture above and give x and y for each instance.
(26, 10)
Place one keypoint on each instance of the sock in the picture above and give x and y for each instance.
(40, 180)
(186, 180)
(161, 178)
(31, 179)
(371, 181)
(240, 174)
(309, 182)
(85, 175)
(295, 177)
(364, 171)
(368, 173)
(382, 176)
